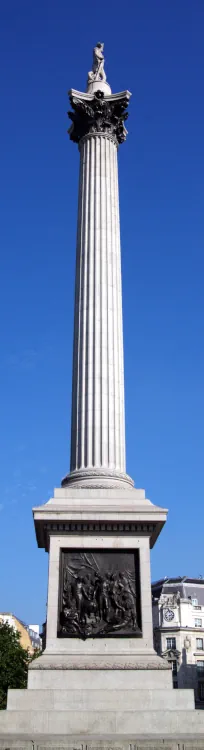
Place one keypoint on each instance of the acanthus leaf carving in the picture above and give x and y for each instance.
(98, 116)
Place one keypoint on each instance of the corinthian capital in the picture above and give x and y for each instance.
(97, 113)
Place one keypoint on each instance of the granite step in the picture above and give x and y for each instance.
(100, 700)
(125, 723)
(99, 679)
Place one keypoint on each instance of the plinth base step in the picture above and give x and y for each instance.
(111, 742)
(32, 723)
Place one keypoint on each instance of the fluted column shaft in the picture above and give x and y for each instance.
(98, 430)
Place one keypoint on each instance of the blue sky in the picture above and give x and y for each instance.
(155, 48)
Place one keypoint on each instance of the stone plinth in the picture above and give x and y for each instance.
(99, 520)
(108, 687)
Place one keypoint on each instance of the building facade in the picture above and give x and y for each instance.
(29, 634)
(178, 623)
(34, 634)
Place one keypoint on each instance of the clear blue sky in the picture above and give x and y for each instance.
(155, 48)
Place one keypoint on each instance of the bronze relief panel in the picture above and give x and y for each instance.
(99, 594)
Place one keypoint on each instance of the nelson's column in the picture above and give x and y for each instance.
(99, 676)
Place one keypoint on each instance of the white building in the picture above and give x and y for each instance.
(34, 633)
(178, 622)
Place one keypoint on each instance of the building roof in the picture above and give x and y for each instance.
(11, 614)
(178, 579)
(187, 587)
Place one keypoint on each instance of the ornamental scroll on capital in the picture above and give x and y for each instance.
(98, 113)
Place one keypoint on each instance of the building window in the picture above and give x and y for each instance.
(199, 643)
(198, 622)
(200, 667)
(171, 643)
(194, 602)
(201, 691)
(174, 668)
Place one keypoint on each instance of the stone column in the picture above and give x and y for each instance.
(98, 421)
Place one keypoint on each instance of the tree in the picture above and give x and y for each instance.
(14, 660)
(37, 652)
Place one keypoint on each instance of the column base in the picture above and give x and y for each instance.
(97, 478)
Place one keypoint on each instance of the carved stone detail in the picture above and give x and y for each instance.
(100, 662)
(99, 526)
(98, 478)
(99, 114)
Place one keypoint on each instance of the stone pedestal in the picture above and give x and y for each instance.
(99, 520)
(107, 692)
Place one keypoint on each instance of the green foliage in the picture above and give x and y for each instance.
(37, 652)
(14, 662)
